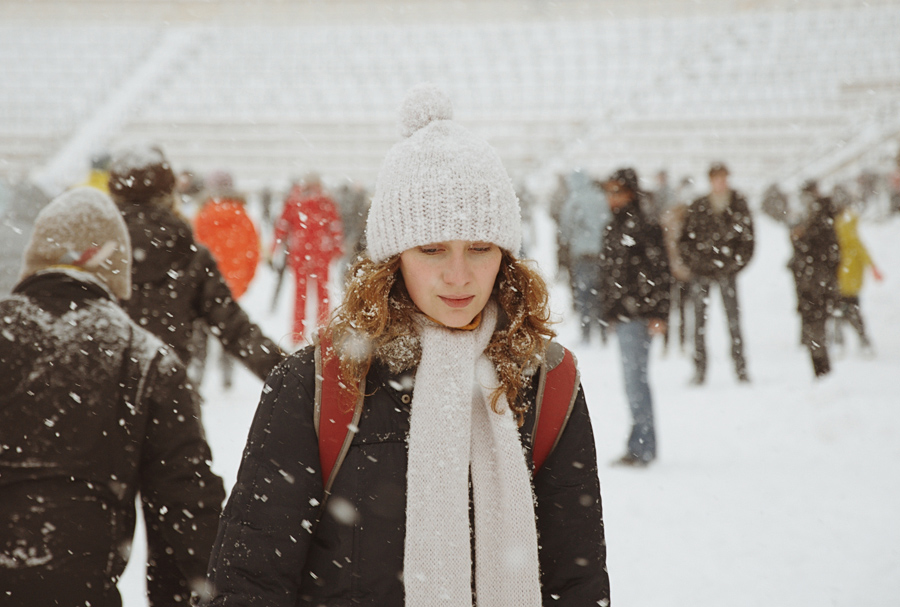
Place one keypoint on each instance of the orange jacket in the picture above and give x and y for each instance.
(224, 227)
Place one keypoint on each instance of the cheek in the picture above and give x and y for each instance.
(488, 275)
(416, 278)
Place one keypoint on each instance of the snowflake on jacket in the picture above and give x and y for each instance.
(717, 244)
(634, 268)
(93, 411)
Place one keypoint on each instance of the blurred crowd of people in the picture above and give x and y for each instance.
(634, 257)
(178, 251)
(709, 239)
(113, 293)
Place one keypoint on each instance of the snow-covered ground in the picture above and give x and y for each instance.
(783, 492)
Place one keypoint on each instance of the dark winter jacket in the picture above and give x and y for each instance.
(634, 268)
(175, 282)
(716, 245)
(814, 264)
(93, 411)
(273, 549)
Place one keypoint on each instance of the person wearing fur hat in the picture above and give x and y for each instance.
(635, 289)
(440, 332)
(176, 288)
(94, 411)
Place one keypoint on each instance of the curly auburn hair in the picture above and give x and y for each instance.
(377, 309)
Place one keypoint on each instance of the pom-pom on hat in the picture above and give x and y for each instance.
(82, 228)
(440, 183)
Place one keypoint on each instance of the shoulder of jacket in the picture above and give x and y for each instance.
(554, 354)
(301, 366)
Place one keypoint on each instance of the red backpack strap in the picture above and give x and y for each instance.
(337, 410)
(557, 389)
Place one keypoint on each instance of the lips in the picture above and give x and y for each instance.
(458, 302)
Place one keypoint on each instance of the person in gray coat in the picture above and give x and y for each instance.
(583, 218)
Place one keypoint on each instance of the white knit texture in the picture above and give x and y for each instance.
(452, 427)
(441, 183)
(79, 221)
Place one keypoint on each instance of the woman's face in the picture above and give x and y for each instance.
(451, 281)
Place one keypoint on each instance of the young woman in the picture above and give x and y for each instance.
(441, 331)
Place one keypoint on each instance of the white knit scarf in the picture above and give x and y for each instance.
(452, 431)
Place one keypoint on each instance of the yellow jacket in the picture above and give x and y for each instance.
(854, 256)
(98, 179)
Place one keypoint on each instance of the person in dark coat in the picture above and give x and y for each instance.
(94, 411)
(716, 243)
(175, 280)
(177, 288)
(814, 264)
(634, 286)
(435, 499)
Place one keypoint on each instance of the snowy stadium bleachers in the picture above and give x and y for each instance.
(772, 91)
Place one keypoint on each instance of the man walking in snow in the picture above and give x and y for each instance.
(634, 286)
(716, 243)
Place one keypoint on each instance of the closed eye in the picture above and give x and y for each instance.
(482, 247)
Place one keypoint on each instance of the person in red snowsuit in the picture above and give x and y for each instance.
(310, 229)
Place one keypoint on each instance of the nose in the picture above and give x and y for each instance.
(457, 271)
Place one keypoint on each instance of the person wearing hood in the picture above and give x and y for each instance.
(176, 287)
(635, 288)
(583, 218)
(94, 412)
(441, 331)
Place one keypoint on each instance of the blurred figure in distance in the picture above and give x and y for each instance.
(310, 230)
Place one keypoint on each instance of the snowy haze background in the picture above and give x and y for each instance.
(782, 492)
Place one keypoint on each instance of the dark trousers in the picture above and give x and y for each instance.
(813, 333)
(680, 296)
(728, 288)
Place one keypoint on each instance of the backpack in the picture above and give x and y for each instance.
(338, 410)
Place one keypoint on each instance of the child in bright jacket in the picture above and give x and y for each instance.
(855, 259)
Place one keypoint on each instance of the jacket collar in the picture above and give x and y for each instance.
(64, 282)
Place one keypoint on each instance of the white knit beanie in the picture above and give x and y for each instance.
(85, 229)
(440, 183)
